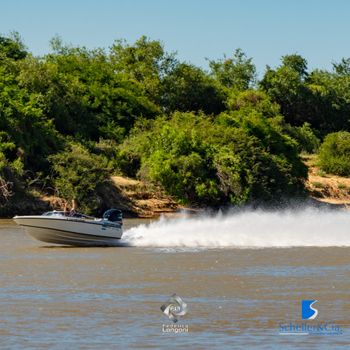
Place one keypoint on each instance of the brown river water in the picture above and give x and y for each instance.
(242, 276)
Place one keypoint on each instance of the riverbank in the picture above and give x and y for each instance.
(326, 188)
(140, 199)
(146, 200)
(134, 197)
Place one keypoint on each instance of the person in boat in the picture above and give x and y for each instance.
(73, 210)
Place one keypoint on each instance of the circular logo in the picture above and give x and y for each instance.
(174, 308)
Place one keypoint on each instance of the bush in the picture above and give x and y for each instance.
(304, 135)
(79, 175)
(10, 174)
(230, 159)
(334, 155)
(269, 159)
(179, 159)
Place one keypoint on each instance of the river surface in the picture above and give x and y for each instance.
(243, 278)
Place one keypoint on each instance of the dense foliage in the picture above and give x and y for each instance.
(74, 116)
(78, 174)
(228, 159)
(335, 153)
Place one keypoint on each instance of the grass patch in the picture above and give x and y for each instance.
(342, 186)
(318, 184)
(321, 173)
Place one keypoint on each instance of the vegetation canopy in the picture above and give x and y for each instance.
(72, 118)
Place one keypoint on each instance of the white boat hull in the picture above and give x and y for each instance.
(71, 231)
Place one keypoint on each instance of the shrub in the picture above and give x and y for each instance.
(304, 135)
(269, 159)
(334, 155)
(230, 159)
(78, 174)
(178, 158)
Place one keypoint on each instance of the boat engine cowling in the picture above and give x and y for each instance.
(114, 215)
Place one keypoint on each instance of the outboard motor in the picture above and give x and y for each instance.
(114, 215)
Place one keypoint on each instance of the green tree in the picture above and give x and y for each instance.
(330, 103)
(12, 47)
(286, 86)
(320, 98)
(237, 72)
(188, 88)
(145, 61)
(296, 63)
(343, 67)
(23, 120)
(84, 95)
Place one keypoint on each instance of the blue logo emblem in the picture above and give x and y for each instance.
(308, 312)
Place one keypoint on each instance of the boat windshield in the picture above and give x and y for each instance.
(54, 213)
(67, 214)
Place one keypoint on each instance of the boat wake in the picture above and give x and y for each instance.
(308, 227)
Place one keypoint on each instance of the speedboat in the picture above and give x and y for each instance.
(71, 228)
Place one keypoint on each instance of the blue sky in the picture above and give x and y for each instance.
(319, 30)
